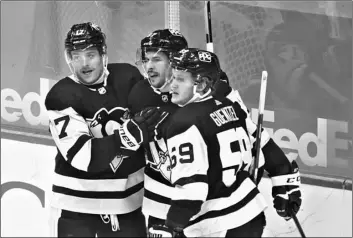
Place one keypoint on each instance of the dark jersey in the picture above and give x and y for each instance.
(91, 174)
(210, 145)
(157, 187)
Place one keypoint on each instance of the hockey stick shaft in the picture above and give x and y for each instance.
(208, 26)
(296, 221)
(259, 125)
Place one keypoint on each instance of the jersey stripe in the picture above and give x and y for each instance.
(77, 147)
(223, 213)
(191, 191)
(98, 206)
(154, 208)
(227, 219)
(98, 195)
(98, 185)
(192, 179)
(157, 196)
(158, 188)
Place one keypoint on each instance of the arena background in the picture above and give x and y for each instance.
(305, 46)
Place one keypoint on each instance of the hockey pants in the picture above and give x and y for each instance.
(74, 224)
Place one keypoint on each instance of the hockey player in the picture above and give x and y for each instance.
(210, 143)
(98, 179)
(153, 55)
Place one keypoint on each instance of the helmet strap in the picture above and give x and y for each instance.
(102, 78)
(196, 97)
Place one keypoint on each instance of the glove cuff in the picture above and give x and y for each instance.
(126, 138)
(287, 179)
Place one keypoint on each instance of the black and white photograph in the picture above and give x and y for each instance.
(176, 119)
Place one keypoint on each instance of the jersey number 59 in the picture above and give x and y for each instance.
(234, 152)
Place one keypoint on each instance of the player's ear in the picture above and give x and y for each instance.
(202, 86)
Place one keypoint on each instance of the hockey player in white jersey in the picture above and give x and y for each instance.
(98, 177)
(210, 144)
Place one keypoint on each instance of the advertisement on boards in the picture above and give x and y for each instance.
(307, 56)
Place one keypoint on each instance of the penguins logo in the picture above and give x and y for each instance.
(105, 122)
(160, 160)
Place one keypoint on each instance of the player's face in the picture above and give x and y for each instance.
(87, 65)
(182, 87)
(157, 67)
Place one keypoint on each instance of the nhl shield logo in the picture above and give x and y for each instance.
(102, 90)
(165, 98)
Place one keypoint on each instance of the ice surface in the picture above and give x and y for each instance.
(325, 212)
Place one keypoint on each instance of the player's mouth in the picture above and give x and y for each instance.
(153, 75)
(87, 72)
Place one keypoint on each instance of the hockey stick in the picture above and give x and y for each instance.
(208, 26)
(296, 221)
(255, 168)
(254, 172)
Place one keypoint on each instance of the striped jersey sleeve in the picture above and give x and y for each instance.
(272, 158)
(72, 136)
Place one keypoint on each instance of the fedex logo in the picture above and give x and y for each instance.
(327, 140)
(13, 107)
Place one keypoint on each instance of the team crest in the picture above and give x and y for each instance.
(161, 160)
(102, 90)
(165, 98)
(117, 161)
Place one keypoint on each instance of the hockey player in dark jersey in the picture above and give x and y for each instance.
(98, 178)
(153, 55)
(210, 142)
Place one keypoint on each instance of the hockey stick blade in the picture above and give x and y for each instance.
(262, 99)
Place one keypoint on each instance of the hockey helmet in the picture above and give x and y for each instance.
(85, 35)
(200, 63)
(165, 40)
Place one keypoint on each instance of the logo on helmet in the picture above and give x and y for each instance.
(205, 56)
(175, 32)
(80, 32)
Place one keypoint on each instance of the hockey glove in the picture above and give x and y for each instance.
(140, 129)
(161, 231)
(286, 192)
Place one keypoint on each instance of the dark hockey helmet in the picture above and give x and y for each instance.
(165, 40)
(85, 35)
(200, 63)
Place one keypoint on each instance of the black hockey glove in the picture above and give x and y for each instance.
(161, 231)
(141, 128)
(222, 87)
(286, 192)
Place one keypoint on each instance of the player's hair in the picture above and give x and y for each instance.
(85, 35)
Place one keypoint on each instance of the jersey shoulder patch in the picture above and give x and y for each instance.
(63, 94)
